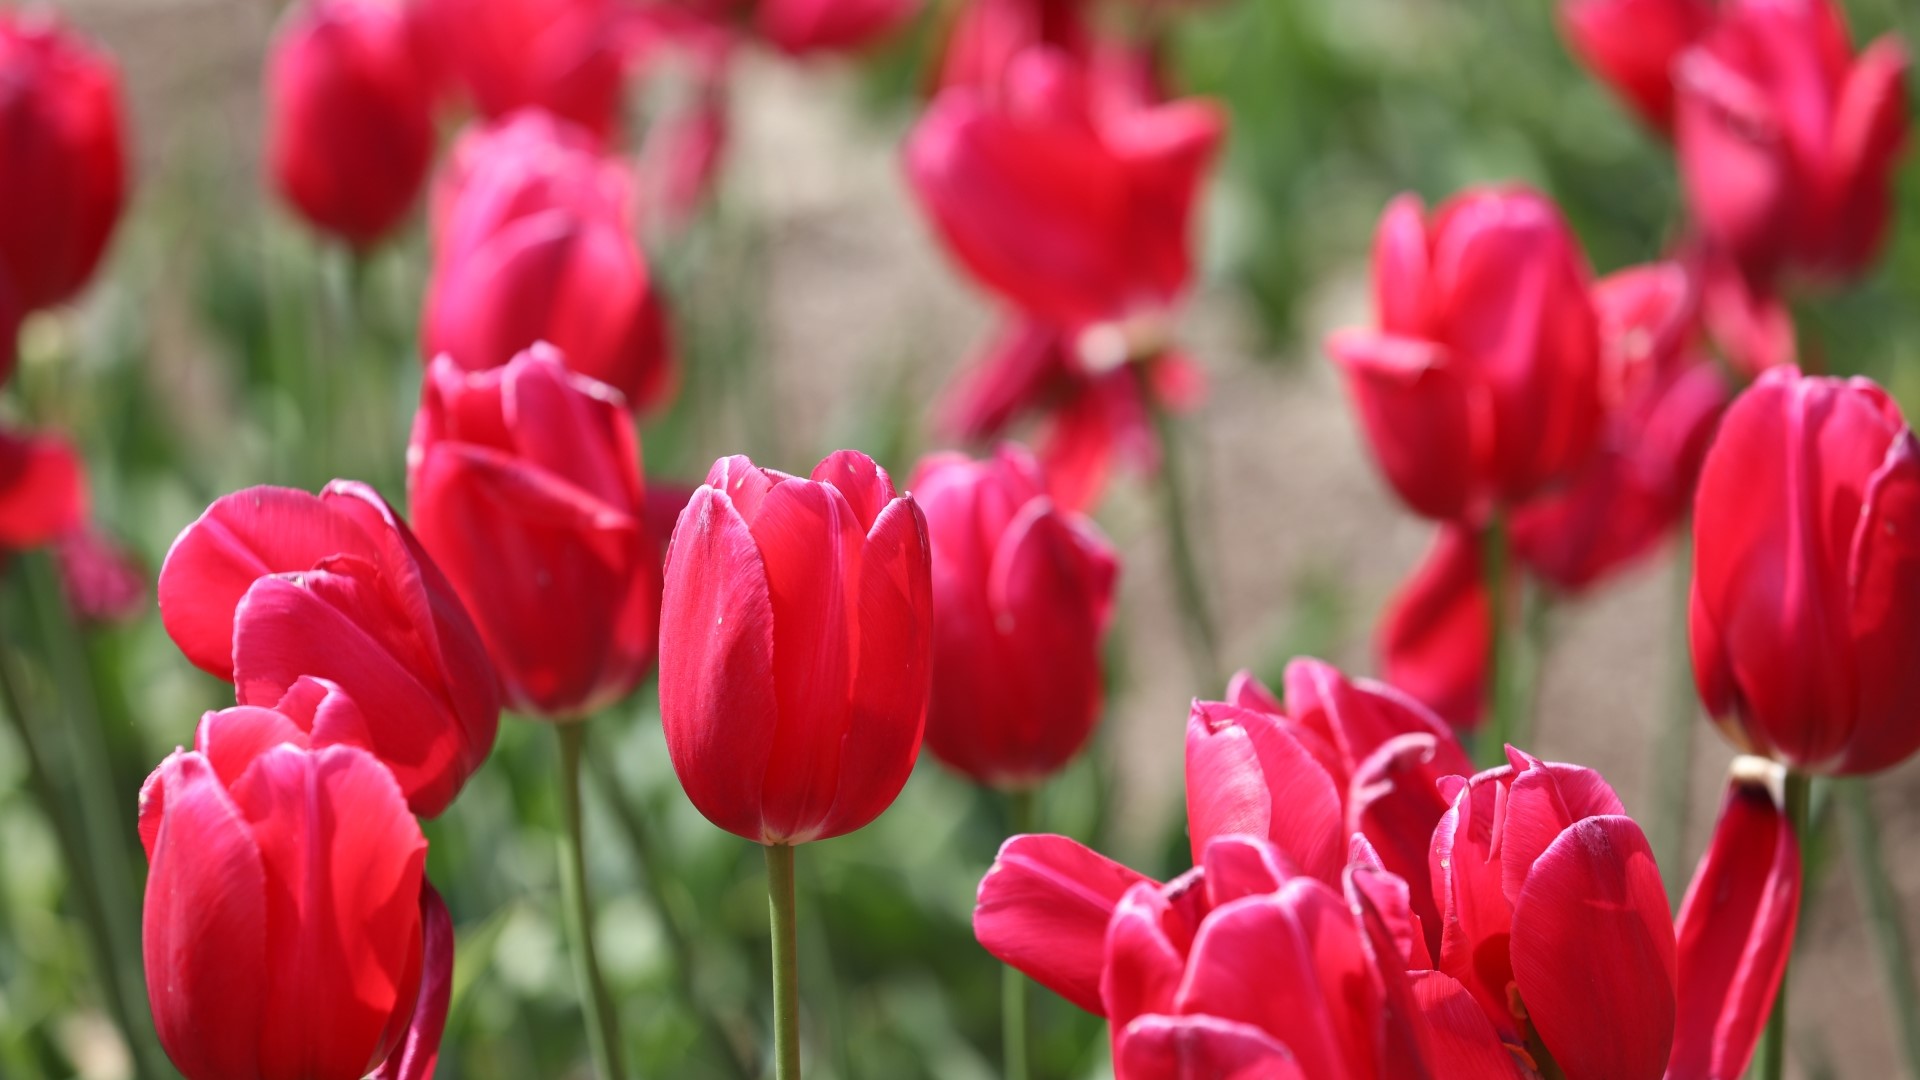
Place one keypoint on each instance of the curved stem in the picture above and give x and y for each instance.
(786, 962)
(1673, 747)
(603, 1027)
(1013, 984)
(1883, 915)
(1772, 1062)
(1502, 699)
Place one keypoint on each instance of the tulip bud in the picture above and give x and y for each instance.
(1482, 386)
(1632, 45)
(795, 647)
(43, 490)
(524, 484)
(350, 121)
(1022, 595)
(1805, 617)
(1787, 140)
(566, 57)
(533, 242)
(272, 584)
(62, 140)
(263, 848)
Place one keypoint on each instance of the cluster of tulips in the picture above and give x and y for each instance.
(1363, 902)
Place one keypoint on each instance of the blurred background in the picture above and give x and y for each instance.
(222, 345)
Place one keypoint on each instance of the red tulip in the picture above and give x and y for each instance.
(1555, 919)
(280, 943)
(350, 116)
(1632, 46)
(795, 647)
(43, 490)
(1787, 140)
(272, 584)
(533, 242)
(1022, 595)
(1735, 927)
(986, 36)
(1482, 386)
(567, 57)
(524, 485)
(1339, 757)
(1434, 635)
(64, 147)
(800, 27)
(1806, 575)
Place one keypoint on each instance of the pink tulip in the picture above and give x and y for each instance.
(1632, 46)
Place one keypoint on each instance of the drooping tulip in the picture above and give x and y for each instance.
(1788, 140)
(350, 116)
(1022, 595)
(289, 932)
(795, 647)
(271, 584)
(1632, 46)
(1805, 618)
(1555, 919)
(1482, 385)
(43, 492)
(567, 57)
(524, 484)
(62, 140)
(534, 242)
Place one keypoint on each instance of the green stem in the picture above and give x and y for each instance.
(603, 1027)
(677, 920)
(1013, 984)
(1673, 747)
(1883, 915)
(1502, 686)
(1203, 642)
(1772, 1059)
(786, 963)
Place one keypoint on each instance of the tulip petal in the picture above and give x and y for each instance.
(43, 490)
(1884, 572)
(860, 480)
(1543, 801)
(1238, 866)
(1145, 956)
(1456, 1036)
(1247, 774)
(1735, 160)
(1402, 286)
(1043, 908)
(416, 1056)
(1201, 1048)
(1417, 417)
(1433, 638)
(1869, 131)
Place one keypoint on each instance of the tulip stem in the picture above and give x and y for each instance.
(603, 1026)
(1773, 1043)
(786, 963)
(1673, 747)
(1013, 984)
(1502, 686)
(1203, 640)
(1883, 915)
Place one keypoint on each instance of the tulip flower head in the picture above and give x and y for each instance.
(524, 484)
(43, 490)
(795, 647)
(566, 57)
(1632, 46)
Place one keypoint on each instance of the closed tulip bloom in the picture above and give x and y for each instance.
(43, 490)
(273, 584)
(1632, 45)
(1022, 595)
(800, 27)
(1555, 919)
(288, 931)
(1805, 616)
(1482, 385)
(524, 484)
(795, 647)
(62, 139)
(567, 57)
(1788, 139)
(350, 120)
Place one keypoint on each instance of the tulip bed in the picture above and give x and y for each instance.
(444, 634)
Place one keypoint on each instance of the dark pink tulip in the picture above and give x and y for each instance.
(271, 585)
(1632, 46)
(1736, 927)
(795, 647)
(62, 140)
(566, 57)
(524, 484)
(1482, 385)
(534, 242)
(801, 27)
(1806, 588)
(43, 490)
(263, 847)
(1788, 140)
(986, 36)
(1555, 919)
(1022, 595)
(1433, 637)
(350, 116)
(103, 583)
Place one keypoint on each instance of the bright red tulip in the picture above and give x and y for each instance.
(1806, 575)
(1434, 635)
(1022, 595)
(271, 585)
(524, 484)
(800, 27)
(567, 57)
(1555, 919)
(1788, 140)
(534, 242)
(1632, 46)
(288, 920)
(1339, 757)
(43, 490)
(795, 647)
(62, 140)
(1736, 927)
(350, 116)
(1482, 386)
